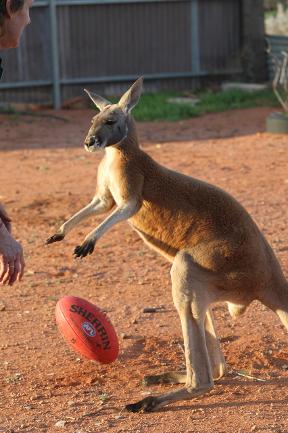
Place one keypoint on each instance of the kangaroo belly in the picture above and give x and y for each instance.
(161, 247)
(165, 230)
(168, 231)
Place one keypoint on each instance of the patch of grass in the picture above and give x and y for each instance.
(231, 99)
(156, 106)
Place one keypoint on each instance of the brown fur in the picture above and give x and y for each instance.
(218, 252)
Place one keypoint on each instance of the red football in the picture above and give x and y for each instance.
(87, 329)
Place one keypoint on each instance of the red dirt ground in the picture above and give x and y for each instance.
(46, 176)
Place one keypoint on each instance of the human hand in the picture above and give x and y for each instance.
(11, 258)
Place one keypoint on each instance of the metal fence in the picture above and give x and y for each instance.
(277, 44)
(74, 43)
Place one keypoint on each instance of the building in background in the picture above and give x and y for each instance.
(106, 44)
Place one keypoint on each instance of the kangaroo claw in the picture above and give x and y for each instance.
(83, 250)
(148, 404)
(55, 238)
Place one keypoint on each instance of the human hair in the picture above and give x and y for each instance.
(15, 6)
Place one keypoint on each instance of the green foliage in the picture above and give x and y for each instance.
(156, 106)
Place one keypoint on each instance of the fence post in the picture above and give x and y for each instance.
(195, 59)
(253, 50)
(55, 55)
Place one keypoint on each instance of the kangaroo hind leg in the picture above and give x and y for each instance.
(191, 299)
(216, 359)
(216, 356)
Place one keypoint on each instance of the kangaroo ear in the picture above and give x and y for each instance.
(100, 102)
(131, 97)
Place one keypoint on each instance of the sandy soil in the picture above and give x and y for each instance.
(46, 176)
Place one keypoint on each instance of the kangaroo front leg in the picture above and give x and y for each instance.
(96, 206)
(122, 213)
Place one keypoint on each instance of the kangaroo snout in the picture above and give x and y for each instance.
(92, 143)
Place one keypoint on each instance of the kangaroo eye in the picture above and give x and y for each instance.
(110, 122)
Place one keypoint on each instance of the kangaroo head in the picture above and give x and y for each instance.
(110, 125)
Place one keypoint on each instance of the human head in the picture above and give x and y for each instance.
(14, 17)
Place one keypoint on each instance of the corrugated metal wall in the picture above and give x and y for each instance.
(110, 41)
(220, 35)
(124, 39)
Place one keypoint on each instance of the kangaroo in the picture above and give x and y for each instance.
(217, 251)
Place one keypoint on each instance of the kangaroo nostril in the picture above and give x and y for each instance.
(90, 141)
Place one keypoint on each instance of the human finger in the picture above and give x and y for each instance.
(3, 269)
(22, 263)
(10, 271)
(15, 270)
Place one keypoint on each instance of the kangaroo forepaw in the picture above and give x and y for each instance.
(148, 404)
(83, 250)
(55, 238)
